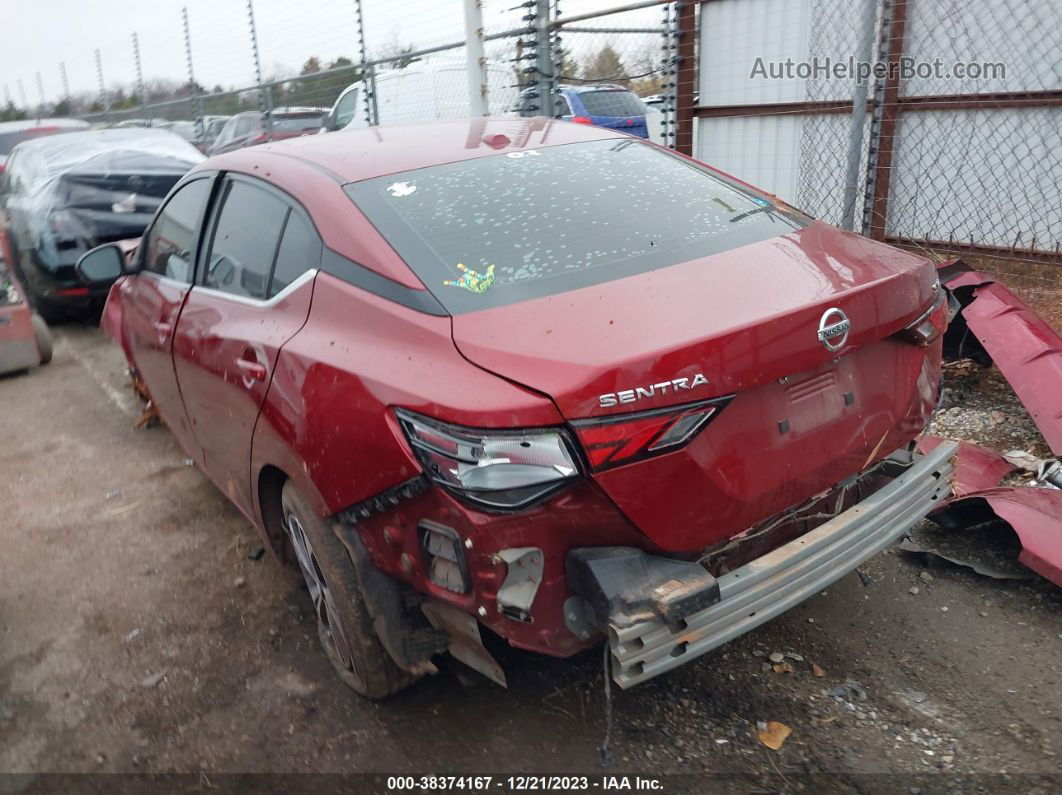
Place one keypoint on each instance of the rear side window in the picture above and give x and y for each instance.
(244, 241)
(612, 103)
(168, 246)
(510, 227)
(299, 251)
(296, 123)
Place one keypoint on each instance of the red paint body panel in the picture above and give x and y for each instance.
(745, 319)
(151, 305)
(577, 517)
(224, 352)
(340, 361)
(326, 413)
(742, 318)
(1026, 350)
(1036, 516)
(976, 468)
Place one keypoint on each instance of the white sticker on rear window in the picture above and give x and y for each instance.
(400, 189)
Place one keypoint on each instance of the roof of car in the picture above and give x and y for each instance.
(30, 124)
(583, 89)
(352, 155)
(152, 139)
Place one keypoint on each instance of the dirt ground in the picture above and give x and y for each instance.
(136, 635)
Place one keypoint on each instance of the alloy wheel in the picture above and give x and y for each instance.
(329, 627)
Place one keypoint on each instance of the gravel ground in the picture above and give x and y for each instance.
(137, 636)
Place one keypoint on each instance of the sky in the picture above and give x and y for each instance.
(41, 34)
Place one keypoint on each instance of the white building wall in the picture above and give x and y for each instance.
(983, 176)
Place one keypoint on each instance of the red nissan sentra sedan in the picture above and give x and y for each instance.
(532, 376)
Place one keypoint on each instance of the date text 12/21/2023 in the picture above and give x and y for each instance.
(521, 783)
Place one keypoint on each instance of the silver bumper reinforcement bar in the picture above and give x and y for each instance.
(775, 582)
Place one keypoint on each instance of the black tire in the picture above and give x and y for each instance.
(343, 622)
(44, 338)
(52, 313)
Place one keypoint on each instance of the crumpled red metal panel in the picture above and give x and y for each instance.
(976, 468)
(1021, 343)
(1026, 350)
(1036, 516)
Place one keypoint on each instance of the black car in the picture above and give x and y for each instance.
(63, 195)
(253, 127)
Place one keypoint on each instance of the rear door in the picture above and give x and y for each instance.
(152, 301)
(252, 295)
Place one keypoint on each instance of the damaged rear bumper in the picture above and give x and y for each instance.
(657, 640)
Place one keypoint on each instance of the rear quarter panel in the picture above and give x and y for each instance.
(326, 421)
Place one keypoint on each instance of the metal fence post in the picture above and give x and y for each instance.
(197, 97)
(368, 73)
(265, 103)
(40, 93)
(66, 83)
(686, 77)
(104, 99)
(476, 59)
(544, 77)
(668, 68)
(859, 117)
(886, 112)
(140, 77)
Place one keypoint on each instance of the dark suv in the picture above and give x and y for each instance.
(255, 127)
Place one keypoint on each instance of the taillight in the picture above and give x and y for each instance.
(929, 326)
(259, 139)
(626, 438)
(506, 469)
(581, 120)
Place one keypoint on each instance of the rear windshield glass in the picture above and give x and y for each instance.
(496, 230)
(289, 123)
(612, 103)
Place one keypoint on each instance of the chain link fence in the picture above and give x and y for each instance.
(932, 125)
(259, 55)
(955, 145)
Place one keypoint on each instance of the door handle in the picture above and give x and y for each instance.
(163, 329)
(251, 369)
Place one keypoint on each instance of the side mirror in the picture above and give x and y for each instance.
(103, 264)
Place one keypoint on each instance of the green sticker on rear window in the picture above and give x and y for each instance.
(473, 281)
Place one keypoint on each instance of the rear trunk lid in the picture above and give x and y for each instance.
(802, 417)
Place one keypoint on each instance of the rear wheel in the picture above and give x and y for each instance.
(52, 313)
(343, 622)
(44, 338)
